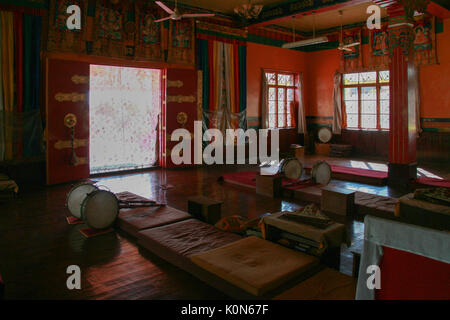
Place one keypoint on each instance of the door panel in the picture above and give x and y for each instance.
(67, 88)
(181, 97)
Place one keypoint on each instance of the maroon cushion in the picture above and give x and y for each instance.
(132, 220)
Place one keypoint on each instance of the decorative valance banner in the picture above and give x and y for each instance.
(122, 29)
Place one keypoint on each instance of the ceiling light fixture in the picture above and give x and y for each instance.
(306, 42)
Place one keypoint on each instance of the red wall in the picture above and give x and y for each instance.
(321, 67)
(435, 80)
(263, 56)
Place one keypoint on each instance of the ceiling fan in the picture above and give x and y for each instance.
(176, 15)
(342, 46)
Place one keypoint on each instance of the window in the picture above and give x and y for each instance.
(281, 94)
(366, 99)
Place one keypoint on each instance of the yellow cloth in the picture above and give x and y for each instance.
(7, 61)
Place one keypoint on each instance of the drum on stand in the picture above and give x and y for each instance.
(100, 209)
(321, 172)
(76, 196)
(291, 168)
(324, 134)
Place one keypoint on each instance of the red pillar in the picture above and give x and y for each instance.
(402, 116)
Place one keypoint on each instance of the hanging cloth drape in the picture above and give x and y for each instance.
(224, 99)
(7, 48)
(264, 100)
(2, 117)
(20, 117)
(301, 106)
(337, 104)
(417, 96)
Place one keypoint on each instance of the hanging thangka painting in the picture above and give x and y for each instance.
(181, 45)
(352, 60)
(149, 41)
(109, 33)
(379, 48)
(424, 44)
(60, 38)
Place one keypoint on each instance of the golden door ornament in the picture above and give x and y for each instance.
(72, 97)
(175, 84)
(77, 79)
(180, 99)
(182, 118)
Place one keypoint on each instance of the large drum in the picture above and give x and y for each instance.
(324, 134)
(321, 172)
(291, 168)
(76, 196)
(98, 208)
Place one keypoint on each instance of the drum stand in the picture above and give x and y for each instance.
(139, 204)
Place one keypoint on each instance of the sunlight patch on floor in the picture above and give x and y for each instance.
(139, 184)
(424, 173)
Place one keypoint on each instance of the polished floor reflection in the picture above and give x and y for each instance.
(37, 244)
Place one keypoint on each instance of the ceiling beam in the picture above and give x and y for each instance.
(437, 8)
(286, 10)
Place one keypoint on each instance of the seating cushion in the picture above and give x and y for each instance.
(132, 220)
(327, 284)
(254, 265)
(187, 237)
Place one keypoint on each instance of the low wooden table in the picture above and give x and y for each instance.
(325, 243)
(338, 200)
(423, 213)
(297, 151)
(205, 209)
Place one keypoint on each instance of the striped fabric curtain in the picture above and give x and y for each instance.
(224, 83)
(301, 106)
(337, 104)
(20, 119)
(264, 107)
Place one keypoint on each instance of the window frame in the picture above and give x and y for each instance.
(294, 87)
(378, 86)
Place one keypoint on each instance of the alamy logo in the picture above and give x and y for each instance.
(213, 152)
(74, 280)
(374, 20)
(374, 280)
(74, 20)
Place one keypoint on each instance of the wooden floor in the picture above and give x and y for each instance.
(37, 244)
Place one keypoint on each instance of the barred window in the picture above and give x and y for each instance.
(366, 99)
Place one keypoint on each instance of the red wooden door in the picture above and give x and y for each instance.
(180, 97)
(67, 88)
